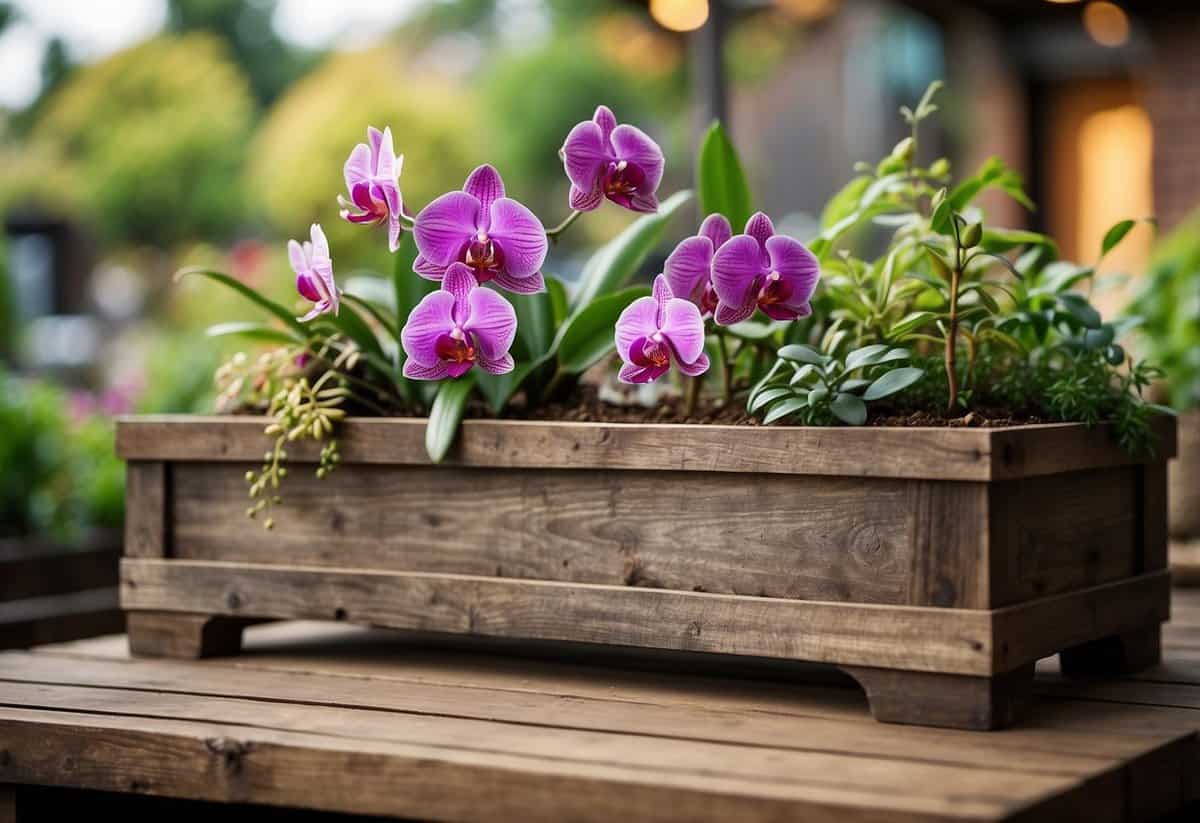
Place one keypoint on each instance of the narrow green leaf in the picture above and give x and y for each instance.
(721, 180)
(849, 408)
(498, 389)
(1079, 308)
(535, 323)
(782, 410)
(855, 384)
(447, 414)
(892, 382)
(801, 353)
(288, 317)
(350, 323)
(588, 335)
(845, 202)
(764, 397)
(618, 259)
(253, 331)
(865, 356)
(910, 322)
(1115, 235)
(409, 287)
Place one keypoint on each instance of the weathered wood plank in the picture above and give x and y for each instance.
(922, 639)
(921, 453)
(43, 572)
(1061, 532)
(211, 761)
(767, 535)
(1030, 631)
(952, 700)
(171, 634)
(1152, 515)
(60, 617)
(959, 641)
(146, 505)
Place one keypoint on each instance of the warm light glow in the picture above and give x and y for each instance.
(679, 15)
(1116, 150)
(809, 10)
(1106, 23)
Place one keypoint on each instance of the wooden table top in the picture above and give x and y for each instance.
(335, 718)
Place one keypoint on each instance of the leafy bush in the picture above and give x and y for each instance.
(148, 143)
(61, 477)
(1169, 308)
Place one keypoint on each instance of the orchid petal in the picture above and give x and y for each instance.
(642, 203)
(696, 368)
(428, 270)
(385, 160)
(320, 246)
(660, 290)
(634, 145)
(520, 235)
(759, 227)
(582, 200)
(729, 315)
(485, 184)
(358, 166)
(415, 371)
(444, 226)
(430, 319)
(786, 311)
(307, 289)
(492, 321)
(637, 320)
(735, 268)
(684, 329)
(716, 228)
(605, 120)
(393, 232)
(687, 267)
(296, 257)
(320, 308)
(375, 138)
(532, 284)
(585, 154)
(796, 265)
(637, 374)
(501, 365)
(459, 281)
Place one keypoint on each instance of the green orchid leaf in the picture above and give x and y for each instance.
(849, 408)
(618, 259)
(892, 382)
(784, 409)
(287, 317)
(801, 353)
(721, 180)
(767, 396)
(253, 331)
(587, 336)
(446, 416)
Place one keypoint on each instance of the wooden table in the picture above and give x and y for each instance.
(338, 719)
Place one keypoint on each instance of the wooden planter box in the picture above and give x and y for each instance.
(50, 593)
(935, 566)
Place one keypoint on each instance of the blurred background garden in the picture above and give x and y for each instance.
(141, 136)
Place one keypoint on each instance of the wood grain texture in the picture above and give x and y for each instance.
(189, 636)
(146, 505)
(1126, 652)
(923, 639)
(818, 538)
(1153, 521)
(60, 617)
(959, 641)
(950, 454)
(948, 700)
(1062, 532)
(1185, 479)
(33, 568)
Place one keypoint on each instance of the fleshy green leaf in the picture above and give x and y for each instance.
(253, 331)
(767, 396)
(844, 203)
(801, 353)
(1115, 235)
(588, 336)
(618, 259)
(498, 389)
(849, 408)
(865, 356)
(288, 317)
(782, 410)
(446, 415)
(535, 322)
(1079, 308)
(721, 181)
(910, 322)
(892, 382)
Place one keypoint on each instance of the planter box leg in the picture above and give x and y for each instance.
(1116, 654)
(8, 803)
(951, 700)
(188, 636)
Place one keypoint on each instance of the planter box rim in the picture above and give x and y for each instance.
(972, 454)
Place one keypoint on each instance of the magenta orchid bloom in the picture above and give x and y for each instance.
(689, 267)
(494, 236)
(457, 327)
(314, 273)
(761, 269)
(372, 174)
(654, 331)
(621, 163)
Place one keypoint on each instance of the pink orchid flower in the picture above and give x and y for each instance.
(314, 273)
(496, 237)
(654, 331)
(689, 267)
(621, 163)
(372, 175)
(457, 327)
(764, 270)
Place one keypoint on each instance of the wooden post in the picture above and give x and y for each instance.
(8, 803)
(182, 635)
(706, 47)
(951, 700)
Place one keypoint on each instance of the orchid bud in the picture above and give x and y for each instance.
(971, 235)
(940, 167)
(904, 149)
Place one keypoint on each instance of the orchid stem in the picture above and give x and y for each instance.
(691, 394)
(553, 233)
(726, 368)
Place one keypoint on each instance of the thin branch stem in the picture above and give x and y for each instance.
(553, 233)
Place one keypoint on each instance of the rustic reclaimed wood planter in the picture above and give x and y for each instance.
(50, 593)
(935, 566)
